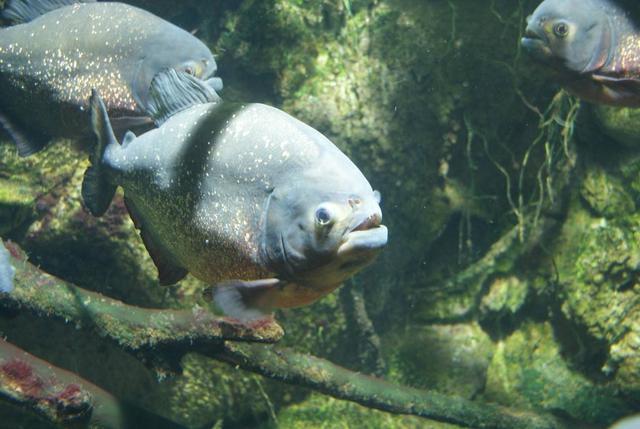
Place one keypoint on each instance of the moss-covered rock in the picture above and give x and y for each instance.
(528, 370)
(598, 261)
(621, 124)
(605, 194)
(447, 358)
(506, 297)
(321, 412)
(208, 391)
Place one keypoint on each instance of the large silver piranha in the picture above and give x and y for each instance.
(244, 197)
(58, 50)
(593, 45)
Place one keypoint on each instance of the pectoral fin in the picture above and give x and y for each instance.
(169, 272)
(245, 300)
(172, 92)
(619, 91)
(21, 11)
(27, 142)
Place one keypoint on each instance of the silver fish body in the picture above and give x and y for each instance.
(49, 66)
(248, 195)
(7, 271)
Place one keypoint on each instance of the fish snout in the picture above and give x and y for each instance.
(535, 40)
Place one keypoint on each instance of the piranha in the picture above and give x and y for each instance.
(628, 423)
(7, 271)
(58, 50)
(592, 45)
(244, 197)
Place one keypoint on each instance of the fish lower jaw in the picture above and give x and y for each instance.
(536, 47)
(364, 242)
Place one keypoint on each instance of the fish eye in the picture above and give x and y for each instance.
(189, 70)
(323, 216)
(561, 29)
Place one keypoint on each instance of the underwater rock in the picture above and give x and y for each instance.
(506, 297)
(605, 194)
(208, 391)
(452, 359)
(528, 370)
(598, 261)
(621, 124)
(16, 205)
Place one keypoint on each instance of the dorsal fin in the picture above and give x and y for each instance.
(172, 92)
(22, 11)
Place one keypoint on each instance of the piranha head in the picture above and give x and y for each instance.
(179, 51)
(320, 235)
(569, 35)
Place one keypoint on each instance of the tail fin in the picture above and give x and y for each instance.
(97, 192)
(22, 11)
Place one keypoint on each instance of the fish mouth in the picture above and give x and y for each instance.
(364, 242)
(372, 221)
(535, 44)
(215, 83)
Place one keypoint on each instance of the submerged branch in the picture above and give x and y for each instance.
(56, 395)
(323, 376)
(136, 328)
(131, 327)
(367, 342)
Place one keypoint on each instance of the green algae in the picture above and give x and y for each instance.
(597, 263)
(506, 296)
(452, 359)
(320, 412)
(620, 124)
(528, 370)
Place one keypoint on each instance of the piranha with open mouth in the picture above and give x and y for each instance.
(244, 197)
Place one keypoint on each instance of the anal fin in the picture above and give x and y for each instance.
(27, 143)
(168, 271)
(246, 301)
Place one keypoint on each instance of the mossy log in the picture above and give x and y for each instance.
(58, 396)
(133, 328)
(323, 376)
